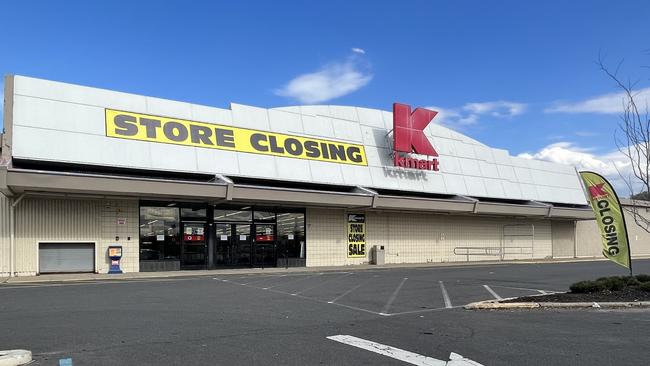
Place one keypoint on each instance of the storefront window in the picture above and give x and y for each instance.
(159, 233)
(264, 216)
(193, 213)
(291, 235)
(243, 214)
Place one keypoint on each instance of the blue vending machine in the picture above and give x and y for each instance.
(115, 254)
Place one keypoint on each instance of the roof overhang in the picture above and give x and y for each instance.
(16, 181)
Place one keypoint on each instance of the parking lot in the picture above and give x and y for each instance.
(331, 318)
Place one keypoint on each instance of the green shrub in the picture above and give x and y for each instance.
(614, 283)
(631, 281)
(585, 287)
(645, 286)
(643, 277)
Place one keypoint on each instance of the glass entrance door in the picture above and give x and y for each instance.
(225, 248)
(233, 244)
(243, 242)
(194, 247)
(264, 248)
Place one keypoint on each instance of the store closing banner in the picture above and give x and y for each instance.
(610, 218)
(144, 127)
(356, 235)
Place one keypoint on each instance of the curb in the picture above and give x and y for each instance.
(273, 270)
(15, 357)
(494, 305)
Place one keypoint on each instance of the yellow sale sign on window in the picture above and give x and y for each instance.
(356, 235)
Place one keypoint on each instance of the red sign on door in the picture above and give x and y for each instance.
(193, 237)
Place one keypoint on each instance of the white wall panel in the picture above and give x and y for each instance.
(285, 122)
(72, 116)
(326, 172)
(224, 162)
(434, 183)
(258, 165)
(294, 169)
(317, 126)
(346, 131)
(250, 117)
(77, 94)
(370, 118)
(54, 115)
(211, 115)
(344, 113)
(173, 157)
(169, 108)
(356, 176)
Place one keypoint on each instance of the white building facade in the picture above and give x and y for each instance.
(183, 186)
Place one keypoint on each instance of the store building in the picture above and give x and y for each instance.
(183, 186)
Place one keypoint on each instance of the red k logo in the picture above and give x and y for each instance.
(408, 134)
(597, 190)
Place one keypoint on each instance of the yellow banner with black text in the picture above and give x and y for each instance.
(144, 127)
(610, 218)
(356, 235)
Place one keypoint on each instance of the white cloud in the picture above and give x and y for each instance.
(359, 50)
(499, 108)
(471, 113)
(608, 165)
(333, 80)
(613, 103)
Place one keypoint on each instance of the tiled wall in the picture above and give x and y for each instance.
(120, 218)
(428, 238)
(589, 241)
(76, 220)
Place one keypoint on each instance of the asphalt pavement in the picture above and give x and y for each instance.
(271, 319)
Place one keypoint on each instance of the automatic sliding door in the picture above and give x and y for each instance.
(224, 249)
(264, 247)
(243, 243)
(194, 246)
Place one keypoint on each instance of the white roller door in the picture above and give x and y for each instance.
(66, 257)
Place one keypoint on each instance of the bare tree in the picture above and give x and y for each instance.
(633, 140)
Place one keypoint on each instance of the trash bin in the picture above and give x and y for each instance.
(378, 255)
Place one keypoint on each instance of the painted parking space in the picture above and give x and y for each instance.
(384, 293)
(286, 318)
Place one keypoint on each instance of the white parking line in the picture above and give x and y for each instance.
(294, 281)
(392, 352)
(350, 290)
(392, 298)
(494, 294)
(445, 295)
(256, 281)
(319, 284)
(402, 355)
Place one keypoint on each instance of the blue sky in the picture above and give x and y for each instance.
(517, 75)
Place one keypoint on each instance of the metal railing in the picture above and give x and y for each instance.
(492, 251)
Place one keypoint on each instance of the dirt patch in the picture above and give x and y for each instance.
(625, 295)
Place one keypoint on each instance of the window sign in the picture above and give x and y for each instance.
(356, 235)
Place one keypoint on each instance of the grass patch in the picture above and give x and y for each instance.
(614, 283)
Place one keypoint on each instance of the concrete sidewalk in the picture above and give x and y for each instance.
(72, 277)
